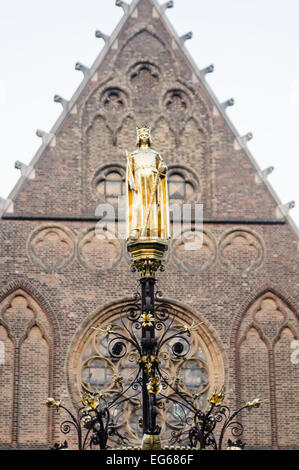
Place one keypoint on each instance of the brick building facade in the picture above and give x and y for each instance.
(58, 279)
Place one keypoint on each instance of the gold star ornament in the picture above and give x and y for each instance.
(146, 319)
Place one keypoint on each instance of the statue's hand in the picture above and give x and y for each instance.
(133, 187)
(163, 169)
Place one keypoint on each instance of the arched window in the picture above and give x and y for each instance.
(183, 185)
(109, 183)
(92, 369)
(28, 342)
(265, 369)
(177, 188)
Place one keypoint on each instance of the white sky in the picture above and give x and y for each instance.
(253, 45)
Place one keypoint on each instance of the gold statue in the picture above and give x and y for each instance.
(147, 192)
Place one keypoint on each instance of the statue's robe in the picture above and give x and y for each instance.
(142, 170)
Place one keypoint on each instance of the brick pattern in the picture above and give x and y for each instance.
(33, 389)
(6, 387)
(55, 280)
(186, 130)
(287, 379)
(254, 381)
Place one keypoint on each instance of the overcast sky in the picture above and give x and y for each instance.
(253, 45)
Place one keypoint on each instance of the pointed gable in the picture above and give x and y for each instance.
(143, 73)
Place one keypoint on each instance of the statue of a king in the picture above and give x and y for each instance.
(147, 192)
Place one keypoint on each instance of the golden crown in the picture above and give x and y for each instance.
(143, 126)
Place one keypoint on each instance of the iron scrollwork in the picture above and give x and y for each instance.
(148, 333)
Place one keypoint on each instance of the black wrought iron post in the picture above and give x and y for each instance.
(148, 344)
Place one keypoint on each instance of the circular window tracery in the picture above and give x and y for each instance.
(92, 369)
(176, 101)
(114, 100)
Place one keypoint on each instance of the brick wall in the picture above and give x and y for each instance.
(55, 274)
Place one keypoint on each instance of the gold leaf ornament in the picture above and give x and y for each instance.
(189, 328)
(107, 331)
(217, 397)
(154, 386)
(51, 403)
(92, 402)
(256, 403)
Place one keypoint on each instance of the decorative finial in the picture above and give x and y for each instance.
(46, 137)
(261, 176)
(26, 170)
(62, 101)
(123, 5)
(185, 37)
(85, 70)
(283, 209)
(208, 69)
(228, 103)
(247, 137)
(267, 171)
(166, 5)
(100, 35)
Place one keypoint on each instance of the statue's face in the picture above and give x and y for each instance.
(144, 135)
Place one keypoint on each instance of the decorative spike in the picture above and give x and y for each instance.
(208, 69)
(228, 103)
(283, 209)
(123, 5)
(100, 35)
(85, 70)
(166, 5)
(62, 101)
(185, 37)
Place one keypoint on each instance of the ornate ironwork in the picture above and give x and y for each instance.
(147, 333)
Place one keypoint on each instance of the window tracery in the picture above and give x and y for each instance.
(109, 183)
(96, 371)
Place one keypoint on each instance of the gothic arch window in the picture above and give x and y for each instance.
(265, 369)
(92, 369)
(144, 76)
(177, 188)
(27, 335)
(114, 100)
(176, 101)
(109, 183)
(183, 185)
